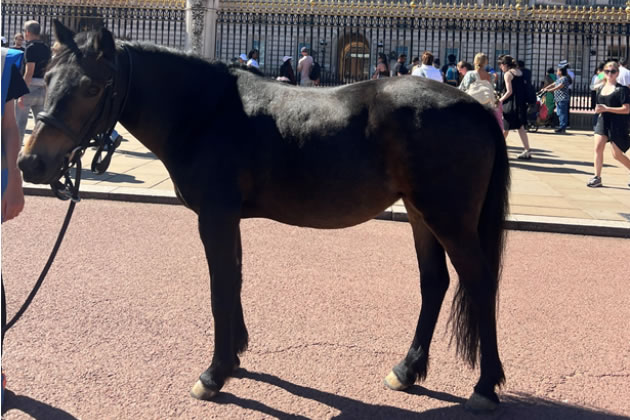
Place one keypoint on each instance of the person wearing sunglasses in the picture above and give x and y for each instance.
(613, 109)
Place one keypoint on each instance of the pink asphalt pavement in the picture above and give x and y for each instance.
(122, 327)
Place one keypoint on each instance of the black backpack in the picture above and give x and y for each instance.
(315, 71)
(530, 94)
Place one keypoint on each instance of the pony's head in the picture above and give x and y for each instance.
(78, 105)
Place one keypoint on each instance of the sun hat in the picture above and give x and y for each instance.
(243, 57)
(286, 58)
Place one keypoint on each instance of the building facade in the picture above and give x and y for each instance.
(346, 36)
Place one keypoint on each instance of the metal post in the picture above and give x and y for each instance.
(201, 21)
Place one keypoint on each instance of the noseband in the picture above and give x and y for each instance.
(89, 135)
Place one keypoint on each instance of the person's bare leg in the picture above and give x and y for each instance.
(619, 155)
(600, 144)
(524, 139)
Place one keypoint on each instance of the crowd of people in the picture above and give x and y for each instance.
(510, 92)
(307, 72)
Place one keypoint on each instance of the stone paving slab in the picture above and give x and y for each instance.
(551, 188)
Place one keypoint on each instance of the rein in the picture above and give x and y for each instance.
(69, 190)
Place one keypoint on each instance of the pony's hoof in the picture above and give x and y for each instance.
(202, 392)
(477, 403)
(392, 382)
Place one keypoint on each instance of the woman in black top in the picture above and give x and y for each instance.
(613, 107)
(513, 100)
(382, 69)
(286, 71)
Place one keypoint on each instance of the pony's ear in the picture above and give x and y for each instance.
(105, 44)
(63, 34)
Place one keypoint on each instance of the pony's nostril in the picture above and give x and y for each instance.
(32, 166)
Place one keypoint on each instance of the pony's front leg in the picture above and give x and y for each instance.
(220, 234)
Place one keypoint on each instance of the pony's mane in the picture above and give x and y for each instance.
(85, 43)
(247, 68)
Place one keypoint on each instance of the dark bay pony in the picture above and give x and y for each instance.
(239, 146)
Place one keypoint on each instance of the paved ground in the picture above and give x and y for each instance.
(551, 188)
(122, 328)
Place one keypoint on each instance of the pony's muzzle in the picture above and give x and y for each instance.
(33, 168)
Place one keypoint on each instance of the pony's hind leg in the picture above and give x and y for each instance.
(473, 315)
(220, 235)
(434, 282)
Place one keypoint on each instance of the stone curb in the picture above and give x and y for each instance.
(396, 213)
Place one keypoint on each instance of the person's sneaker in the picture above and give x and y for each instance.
(560, 131)
(596, 181)
(525, 155)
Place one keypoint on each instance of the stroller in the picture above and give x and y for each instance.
(536, 113)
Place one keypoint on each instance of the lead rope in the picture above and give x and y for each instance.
(70, 191)
(73, 190)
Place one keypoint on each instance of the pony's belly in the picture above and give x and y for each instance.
(324, 213)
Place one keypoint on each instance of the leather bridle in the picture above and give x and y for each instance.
(89, 134)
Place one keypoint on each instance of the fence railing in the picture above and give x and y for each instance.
(346, 36)
(159, 21)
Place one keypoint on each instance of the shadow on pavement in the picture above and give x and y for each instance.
(140, 155)
(533, 149)
(109, 177)
(513, 406)
(537, 159)
(557, 170)
(35, 409)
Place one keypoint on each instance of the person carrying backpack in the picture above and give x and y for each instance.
(478, 84)
(451, 75)
(315, 73)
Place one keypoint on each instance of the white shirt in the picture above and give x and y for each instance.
(429, 72)
(252, 63)
(596, 82)
(304, 67)
(624, 76)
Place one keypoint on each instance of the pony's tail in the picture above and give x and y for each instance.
(491, 230)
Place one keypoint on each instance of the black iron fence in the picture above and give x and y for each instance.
(346, 37)
(159, 21)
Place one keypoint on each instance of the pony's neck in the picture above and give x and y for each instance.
(169, 94)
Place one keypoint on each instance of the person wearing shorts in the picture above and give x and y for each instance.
(613, 109)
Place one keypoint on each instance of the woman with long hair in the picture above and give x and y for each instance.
(613, 107)
(514, 103)
(478, 84)
(382, 69)
(287, 74)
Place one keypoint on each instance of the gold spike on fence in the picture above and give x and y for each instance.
(145, 4)
(381, 8)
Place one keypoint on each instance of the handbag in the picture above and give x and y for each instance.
(483, 92)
